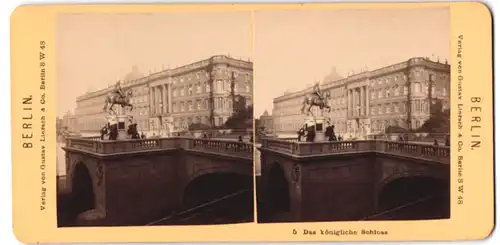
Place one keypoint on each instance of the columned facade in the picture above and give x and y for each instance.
(358, 102)
(183, 96)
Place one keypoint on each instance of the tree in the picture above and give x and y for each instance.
(198, 126)
(242, 117)
(395, 129)
(439, 120)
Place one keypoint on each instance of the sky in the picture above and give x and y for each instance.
(295, 48)
(95, 50)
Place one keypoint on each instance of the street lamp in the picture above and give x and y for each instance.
(160, 128)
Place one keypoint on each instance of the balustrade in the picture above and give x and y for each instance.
(109, 147)
(227, 147)
(440, 153)
(414, 150)
(92, 137)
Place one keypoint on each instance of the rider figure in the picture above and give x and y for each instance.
(118, 90)
(317, 91)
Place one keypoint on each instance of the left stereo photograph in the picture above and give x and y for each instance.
(154, 119)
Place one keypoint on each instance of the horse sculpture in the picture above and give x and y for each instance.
(115, 99)
(314, 100)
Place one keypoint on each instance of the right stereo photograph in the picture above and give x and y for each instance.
(352, 114)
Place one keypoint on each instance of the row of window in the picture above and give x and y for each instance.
(417, 73)
(418, 106)
(203, 74)
(221, 86)
(397, 90)
(201, 104)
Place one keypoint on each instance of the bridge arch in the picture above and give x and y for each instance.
(413, 195)
(278, 189)
(83, 196)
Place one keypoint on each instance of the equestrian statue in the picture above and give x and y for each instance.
(316, 98)
(118, 97)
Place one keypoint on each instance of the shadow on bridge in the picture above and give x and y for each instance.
(81, 198)
(275, 205)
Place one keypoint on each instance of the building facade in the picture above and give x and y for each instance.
(69, 122)
(266, 121)
(367, 103)
(170, 100)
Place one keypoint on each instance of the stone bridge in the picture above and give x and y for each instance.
(135, 181)
(347, 180)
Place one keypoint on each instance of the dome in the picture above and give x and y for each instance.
(332, 76)
(133, 75)
(265, 113)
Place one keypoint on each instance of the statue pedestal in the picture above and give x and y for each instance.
(319, 123)
(123, 124)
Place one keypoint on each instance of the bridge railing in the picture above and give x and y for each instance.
(228, 147)
(109, 147)
(414, 150)
(92, 137)
(317, 148)
(431, 152)
(121, 146)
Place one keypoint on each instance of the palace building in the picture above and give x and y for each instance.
(368, 102)
(170, 100)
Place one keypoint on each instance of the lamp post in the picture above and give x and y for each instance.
(160, 127)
